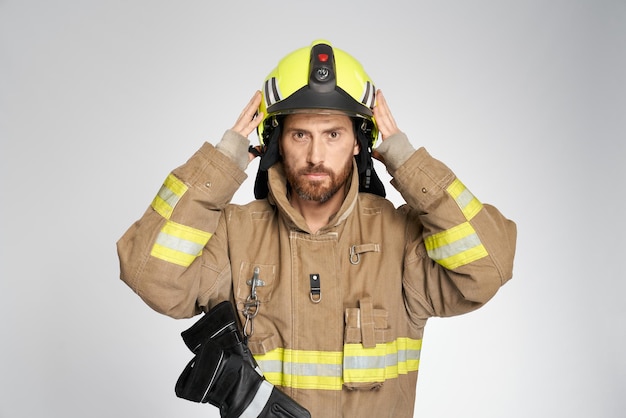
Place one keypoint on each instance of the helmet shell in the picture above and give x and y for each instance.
(318, 79)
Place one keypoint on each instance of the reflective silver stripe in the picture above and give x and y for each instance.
(210, 385)
(454, 248)
(409, 354)
(260, 400)
(266, 91)
(272, 94)
(379, 362)
(464, 199)
(179, 244)
(369, 95)
(329, 370)
(300, 369)
(168, 196)
(368, 362)
(470, 206)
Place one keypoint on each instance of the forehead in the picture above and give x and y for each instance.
(310, 120)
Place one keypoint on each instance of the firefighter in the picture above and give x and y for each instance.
(331, 285)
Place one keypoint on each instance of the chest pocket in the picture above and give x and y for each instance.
(264, 286)
(255, 285)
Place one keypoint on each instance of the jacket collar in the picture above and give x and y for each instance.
(278, 196)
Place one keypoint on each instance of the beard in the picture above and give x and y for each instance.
(318, 191)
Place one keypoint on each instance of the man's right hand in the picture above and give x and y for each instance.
(249, 119)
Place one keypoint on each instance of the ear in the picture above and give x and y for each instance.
(357, 146)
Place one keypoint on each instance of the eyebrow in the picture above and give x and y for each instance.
(330, 129)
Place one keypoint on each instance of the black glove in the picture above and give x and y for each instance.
(221, 326)
(224, 373)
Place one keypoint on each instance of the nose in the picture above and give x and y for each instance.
(316, 152)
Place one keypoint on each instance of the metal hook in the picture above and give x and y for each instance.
(251, 305)
(355, 258)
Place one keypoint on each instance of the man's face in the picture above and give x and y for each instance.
(317, 154)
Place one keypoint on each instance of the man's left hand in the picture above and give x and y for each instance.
(384, 119)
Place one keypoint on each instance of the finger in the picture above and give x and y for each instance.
(247, 112)
(248, 118)
(252, 105)
(384, 119)
(246, 128)
(383, 114)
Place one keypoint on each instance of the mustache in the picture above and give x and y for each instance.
(315, 169)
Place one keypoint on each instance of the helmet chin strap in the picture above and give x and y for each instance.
(369, 182)
(269, 157)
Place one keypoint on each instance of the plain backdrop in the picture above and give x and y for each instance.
(524, 100)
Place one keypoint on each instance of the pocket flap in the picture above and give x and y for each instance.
(264, 286)
(366, 325)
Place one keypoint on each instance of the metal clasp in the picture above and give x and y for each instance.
(252, 304)
(316, 290)
(355, 258)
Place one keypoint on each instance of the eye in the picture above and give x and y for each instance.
(334, 135)
(299, 136)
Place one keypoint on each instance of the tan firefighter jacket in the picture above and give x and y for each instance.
(341, 312)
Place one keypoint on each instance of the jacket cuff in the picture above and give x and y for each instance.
(395, 150)
(422, 179)
(235, 146)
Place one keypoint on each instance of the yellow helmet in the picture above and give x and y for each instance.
(318, 78)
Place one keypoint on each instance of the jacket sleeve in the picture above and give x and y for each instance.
(459, 251)
(157, 252)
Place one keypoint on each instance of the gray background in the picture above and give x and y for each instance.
(101, 99)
